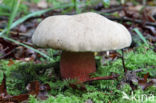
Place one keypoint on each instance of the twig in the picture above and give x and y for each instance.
(123, 61)
(101, 78)
(112, 77)
(138, 70)
(3, 18)
(31, 45)
(124, 19)
(5, 55)
(112, 9)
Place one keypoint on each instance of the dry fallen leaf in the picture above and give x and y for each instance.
(34, 88)
(11, 62)
(143, 83)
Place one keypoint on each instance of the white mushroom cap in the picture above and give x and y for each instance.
(82, 32)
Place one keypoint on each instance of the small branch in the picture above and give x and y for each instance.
(112, 9)
(6, 54)
(31, 45)
(138, 70)
(123, 61)
(124, 19)
(3, 18)
(112, 77)
(27, 46)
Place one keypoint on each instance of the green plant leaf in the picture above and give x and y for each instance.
(37, 13)
(106, 3)
(15, 4)
(4, 14)
(141, 36)
(2, 6)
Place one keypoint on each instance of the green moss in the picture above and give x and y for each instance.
(21, 73)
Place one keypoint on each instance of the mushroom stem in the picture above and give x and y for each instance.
(77, 65)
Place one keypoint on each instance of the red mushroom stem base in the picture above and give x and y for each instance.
(79, 65)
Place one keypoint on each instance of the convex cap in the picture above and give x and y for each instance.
(82, 32)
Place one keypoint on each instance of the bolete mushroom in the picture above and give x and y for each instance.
(79, 36)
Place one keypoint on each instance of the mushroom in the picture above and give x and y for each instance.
(79, 36)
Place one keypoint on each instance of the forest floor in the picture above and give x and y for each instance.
(30, 74)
